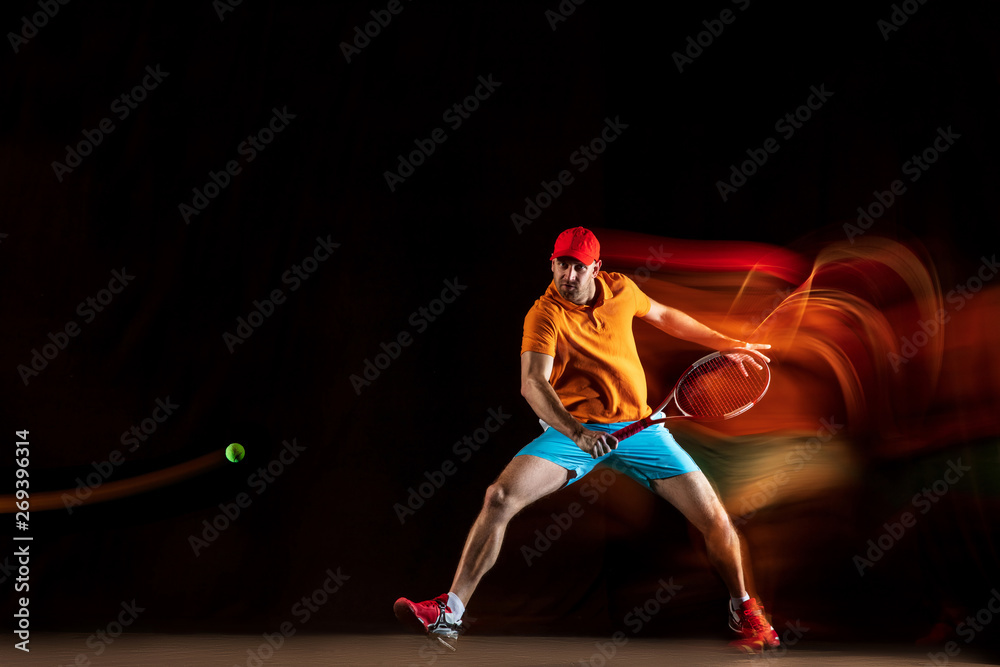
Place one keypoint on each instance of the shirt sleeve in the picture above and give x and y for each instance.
(642, 303)
(539, 333)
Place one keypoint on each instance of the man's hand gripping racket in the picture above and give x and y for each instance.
(719, 386)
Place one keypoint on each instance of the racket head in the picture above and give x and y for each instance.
(722, 385)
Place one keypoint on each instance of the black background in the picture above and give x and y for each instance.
(323, 176)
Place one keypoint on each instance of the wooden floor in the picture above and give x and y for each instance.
(148, 650)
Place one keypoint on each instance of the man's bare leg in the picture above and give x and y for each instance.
(692, 494)
(525, 479)
(696, 499)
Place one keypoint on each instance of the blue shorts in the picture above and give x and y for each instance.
(650, 454)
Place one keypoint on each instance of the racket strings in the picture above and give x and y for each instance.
(718, 387)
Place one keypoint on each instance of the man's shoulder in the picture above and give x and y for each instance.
(544, 305)
(544, 318)
(616, 282)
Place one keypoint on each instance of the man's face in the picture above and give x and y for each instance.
(574, 279)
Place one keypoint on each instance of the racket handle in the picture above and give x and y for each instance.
(631, 429)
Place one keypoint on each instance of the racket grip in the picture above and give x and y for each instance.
(631, 429)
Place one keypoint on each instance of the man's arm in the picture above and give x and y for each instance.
(683, 326)
(536, 368)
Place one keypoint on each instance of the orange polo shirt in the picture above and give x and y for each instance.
(596, 372)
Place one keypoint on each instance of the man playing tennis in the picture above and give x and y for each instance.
(581, 374)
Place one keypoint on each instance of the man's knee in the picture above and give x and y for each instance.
(501, 503)
(497, 498)
(721, 524)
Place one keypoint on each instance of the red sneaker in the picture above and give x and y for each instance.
(430, 617)
(750, 622)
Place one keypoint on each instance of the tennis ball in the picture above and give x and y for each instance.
(235, 452)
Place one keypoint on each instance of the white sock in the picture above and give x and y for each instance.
(457, 606)
(736, 602)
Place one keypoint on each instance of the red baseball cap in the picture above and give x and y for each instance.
(579, 243)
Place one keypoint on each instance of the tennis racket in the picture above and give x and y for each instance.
(716, 387)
